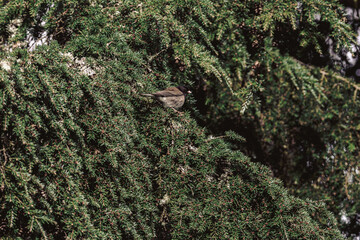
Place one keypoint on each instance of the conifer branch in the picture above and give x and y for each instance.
(325, 73)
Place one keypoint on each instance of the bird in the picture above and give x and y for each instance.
(172, 97)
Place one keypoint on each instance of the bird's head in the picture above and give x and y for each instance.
(184, 89)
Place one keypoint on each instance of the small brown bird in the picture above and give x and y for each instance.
(172, 97)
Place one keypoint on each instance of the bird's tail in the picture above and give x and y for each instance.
(147, 95)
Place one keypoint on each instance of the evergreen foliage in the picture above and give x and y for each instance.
(84, 156)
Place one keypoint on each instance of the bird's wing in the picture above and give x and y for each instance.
(169, 92)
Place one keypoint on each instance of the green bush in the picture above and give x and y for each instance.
(83, 155)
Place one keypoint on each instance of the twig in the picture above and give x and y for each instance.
(213, 138)
(282, 224)
(155, 55)
(3, 168)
